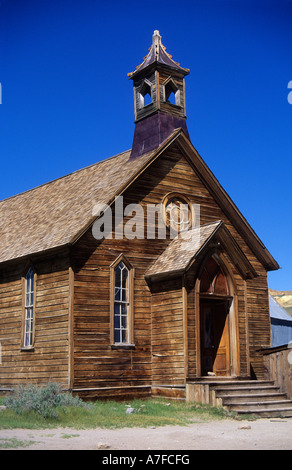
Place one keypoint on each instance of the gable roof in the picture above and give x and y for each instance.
(56, 214)
(182, 252)
(179, 253)
(51, 215)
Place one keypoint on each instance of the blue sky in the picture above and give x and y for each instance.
(67, 101)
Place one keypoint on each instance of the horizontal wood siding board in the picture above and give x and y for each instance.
(49, 359)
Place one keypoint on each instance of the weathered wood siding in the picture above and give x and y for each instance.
(168, 359)
(96, 362)
(48, 361)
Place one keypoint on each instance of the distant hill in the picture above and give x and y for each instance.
(284, 298)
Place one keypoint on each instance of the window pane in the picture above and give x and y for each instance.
(125, 278)
(124, 295)
(124, 308)
(117, 336)
(26, 343)
(124, 319)
(117, 293)
(118, 276)
(31, 282)
(124, 336)
(117, 321)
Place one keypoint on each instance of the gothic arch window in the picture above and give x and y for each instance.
(121, 302)
(213, 279)
(29, 308)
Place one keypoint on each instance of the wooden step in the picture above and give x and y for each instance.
(250, 407)
(260, 398)
(249, 397)
(269, 412)
(242, 384)
(233, 391)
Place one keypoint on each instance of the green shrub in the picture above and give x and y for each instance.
(42, 400)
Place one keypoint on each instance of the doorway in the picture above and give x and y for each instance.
(214, 337)
(216, 316)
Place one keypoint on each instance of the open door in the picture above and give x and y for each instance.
(214, 335)
(215, 351)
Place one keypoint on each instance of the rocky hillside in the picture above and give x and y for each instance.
(284, 298)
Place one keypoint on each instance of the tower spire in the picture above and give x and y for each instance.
(159, 98)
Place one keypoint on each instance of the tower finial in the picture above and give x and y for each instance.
(156, 38)
(156, 41)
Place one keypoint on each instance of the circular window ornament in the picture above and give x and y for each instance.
(178, 213)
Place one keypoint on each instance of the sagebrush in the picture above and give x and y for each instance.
(42, 400)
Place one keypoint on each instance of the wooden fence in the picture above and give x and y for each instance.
(278, 367)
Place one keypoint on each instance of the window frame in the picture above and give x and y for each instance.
(28, 306)
(170, 83)
(145, 88)
(130, 309)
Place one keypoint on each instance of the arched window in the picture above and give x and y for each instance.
(29, 309)
(122, 291)
(213, 280)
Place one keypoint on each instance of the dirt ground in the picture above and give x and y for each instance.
(263, 434)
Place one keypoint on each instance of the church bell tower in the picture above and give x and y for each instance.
(159, 98)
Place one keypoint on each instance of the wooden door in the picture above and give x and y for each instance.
(215, 355)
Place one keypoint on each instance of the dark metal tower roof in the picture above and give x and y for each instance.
(157, 54)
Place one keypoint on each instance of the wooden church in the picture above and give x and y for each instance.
(133, 315)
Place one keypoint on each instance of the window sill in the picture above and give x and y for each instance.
(27, 349)
(123, 346)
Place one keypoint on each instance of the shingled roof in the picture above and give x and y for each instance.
(51, 215)
(186, 248)
(182, 249)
